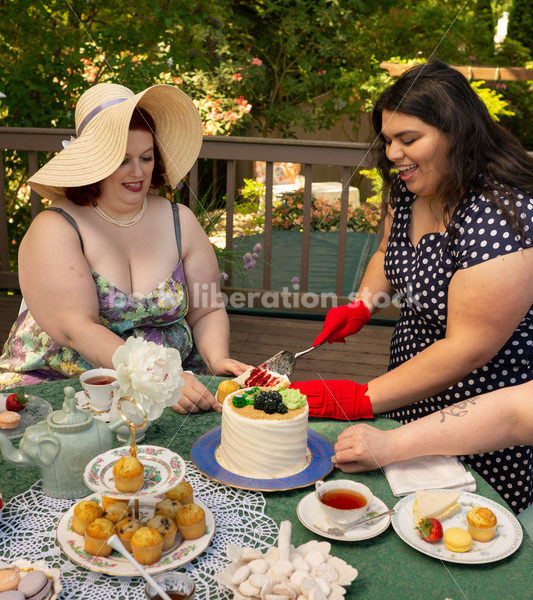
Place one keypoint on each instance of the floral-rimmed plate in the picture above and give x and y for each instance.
(507, 539)
(72, 545)
(312, 517)
(163, 470)
(36, 410)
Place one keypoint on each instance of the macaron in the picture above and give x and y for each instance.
(9, 419)
(12, 595)
(9, 580)
(457, 539)
(35, 585)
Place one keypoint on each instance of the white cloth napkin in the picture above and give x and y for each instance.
(428, 473)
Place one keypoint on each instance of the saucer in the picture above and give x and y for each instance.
(82, 402)
(312, 517)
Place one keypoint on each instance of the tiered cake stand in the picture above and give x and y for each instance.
(163, 470)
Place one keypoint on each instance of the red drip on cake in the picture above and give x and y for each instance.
(261, 377)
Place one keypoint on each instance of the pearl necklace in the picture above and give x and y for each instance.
(122, 223)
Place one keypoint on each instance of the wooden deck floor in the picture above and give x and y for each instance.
(256, 338)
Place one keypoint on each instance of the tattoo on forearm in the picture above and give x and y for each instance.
(457, 410)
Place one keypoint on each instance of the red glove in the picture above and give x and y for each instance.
(336, 398)
(342, 321)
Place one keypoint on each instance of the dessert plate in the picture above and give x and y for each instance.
(25, 566)
(36, 410)
(163, 470)
(506, 541)
(72, 545)
(312, 517)
(203, 455)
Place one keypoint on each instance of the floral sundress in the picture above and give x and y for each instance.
(30, 355)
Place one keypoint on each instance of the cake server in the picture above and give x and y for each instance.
(284, 361)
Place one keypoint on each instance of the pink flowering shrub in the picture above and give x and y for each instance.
(325, 215)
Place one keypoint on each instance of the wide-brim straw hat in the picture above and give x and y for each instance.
(102, 117)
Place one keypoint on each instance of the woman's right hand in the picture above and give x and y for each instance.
(343, 321)
(195, 397)
(362, 447)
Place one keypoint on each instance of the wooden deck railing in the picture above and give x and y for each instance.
(348, 156)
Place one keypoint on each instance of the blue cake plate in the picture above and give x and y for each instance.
(319, 465)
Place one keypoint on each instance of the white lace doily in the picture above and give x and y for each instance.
(28, 530)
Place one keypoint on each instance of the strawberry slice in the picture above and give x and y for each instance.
(430, 530)
(16, 401)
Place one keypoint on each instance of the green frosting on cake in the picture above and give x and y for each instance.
(292, 399)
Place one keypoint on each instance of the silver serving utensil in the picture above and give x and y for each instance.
(115, 542)
(343, 530)
(284, 361)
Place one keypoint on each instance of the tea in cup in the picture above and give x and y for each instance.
(177, 586)
(343, 500)
(99, 386)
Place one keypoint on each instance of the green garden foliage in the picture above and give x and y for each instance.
(276, 64)
(521, 23)
(269, 65)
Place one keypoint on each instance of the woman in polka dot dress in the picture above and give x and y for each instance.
(457, 246)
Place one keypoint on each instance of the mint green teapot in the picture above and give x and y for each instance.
(61, 446)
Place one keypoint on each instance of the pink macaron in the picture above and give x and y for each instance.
(9, 419)
(12, 595)
(35, 586)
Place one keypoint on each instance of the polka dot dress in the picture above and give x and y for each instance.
(422, 276)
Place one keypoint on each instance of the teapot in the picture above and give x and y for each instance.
(61, 446)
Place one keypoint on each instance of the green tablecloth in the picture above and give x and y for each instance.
(388, 568)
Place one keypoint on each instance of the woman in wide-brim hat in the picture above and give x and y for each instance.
(110, 258)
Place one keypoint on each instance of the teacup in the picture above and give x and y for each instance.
(100, 386)
(343, 500)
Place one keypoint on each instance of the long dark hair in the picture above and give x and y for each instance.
(141, 120)
(483, 157)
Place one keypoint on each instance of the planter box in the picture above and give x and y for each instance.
(287, 256)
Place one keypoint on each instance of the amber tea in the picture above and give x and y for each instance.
(343, 499)
(100, 380)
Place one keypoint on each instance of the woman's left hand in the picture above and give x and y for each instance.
(195, 397)
(362, 448)
(229, 366)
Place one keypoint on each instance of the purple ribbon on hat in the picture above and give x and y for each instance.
(97, 110)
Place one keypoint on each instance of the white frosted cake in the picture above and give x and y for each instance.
(260, 445)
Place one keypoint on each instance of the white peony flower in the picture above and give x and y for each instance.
(150, 373)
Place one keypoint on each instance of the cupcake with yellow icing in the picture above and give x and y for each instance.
(96, 535)
(125, 530)
(183, 493)
(191, 521)
(481, 524)
(117, 511)
(168, 508)
(128, 473)
(85, 512)
(147, 545)
(166, 527)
